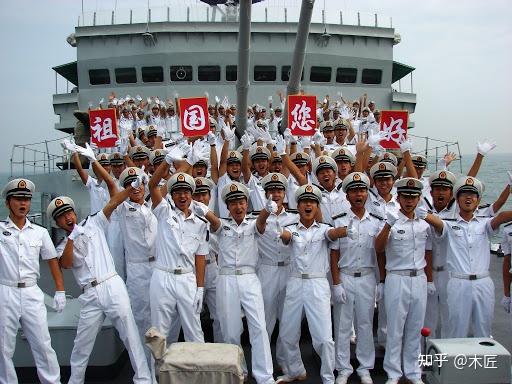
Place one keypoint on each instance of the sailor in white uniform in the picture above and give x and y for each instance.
(260, 158)
(229, 171)
(506, 246)
(21, 300)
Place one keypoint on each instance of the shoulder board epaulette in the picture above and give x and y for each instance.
(484, 216)
(39, 225)
(506, 225)
(340, 215)
(338, 187)
(428, 203)
(319, 187)
(292, 210)
(372, 192)
(256, 213)
(4, 221)
(376, 216)
(484, 206)
(323, 222)
(452, 201)
(291, 224)
(61, 240)
(450, 219)
(251, 217)
(202, 219)
(147, 198)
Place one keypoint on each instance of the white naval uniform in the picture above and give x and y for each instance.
(257, 196)
(357, 265)
(273, 270)
(308, 290)
(238, 286)
(221, 205)
(406, 296)
(333, 203)
(210, 286)
(173, 283)
(506, 247)
(104, 295)
(19, 263)
(291, 188)
(138, 227)
(470, 289)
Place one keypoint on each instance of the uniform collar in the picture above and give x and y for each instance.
(473, 218)
(352, 215)
(300, 225)
(404, 218)
(10, 224)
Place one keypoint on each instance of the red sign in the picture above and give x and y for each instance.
(103, 124)
(394, 125)
(302, 115)
(194, 116)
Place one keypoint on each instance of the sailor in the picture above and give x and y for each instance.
(301, 161)
(171, 121)
(237, 283)
(117, 164)
(327, 130)
(98, 194)
(470, 289)
(307, 289)
(151, 135)
(406, 242)
(388, 157)
(273, 269)
(344, 132)
(22, 301)
(140, 156)
(276, 164)
(345, 160)
(420, 165)
(506, 246)
(260, 159)
(230, 169)
(353, 274)
(104, 294)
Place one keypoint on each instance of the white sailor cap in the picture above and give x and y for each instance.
(355, 180)
(181, 180)
(340, 123)
(383, 169)
(18, 188)
(299, 158)
(388, 157)
(261, 123)
(141, 131)
(234, 157)
(468, 184)
(322, 162)
(103, 159)
(58, 206)
(276, 157)
(274, 181)
(259, 152)
(409, 186)
(139, 152)
(116, 158)
(157, 156)
(234, 191)
(213, 122)
(442, 178)
(343, 154)
(419, 161)
(366, 109)
(326, 126)
(203, 185)
(152, 131)
(308, 191)
(129, 175)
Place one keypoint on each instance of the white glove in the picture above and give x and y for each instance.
(102, 100)
(157, 101)
(485, 146)
(421, 212)
(140, 180)
(198, 299)
(94, 146)
(288, 137)
(59, 300)
(265, 135)
(174, 154)
(505, 303)
(176, 95)
(246, 141)
(270, 99)
(509, 178)
(305, 142)
(318, 136)
(90, 104)
(77, 231)
(375, 139)
(70, 146)
(149, 100)
(211, 139)
(271, 205)
(339, 294)
(138, 98)
(200, 209)
(200, 151)
(229, 134)
(279, 230)
(379, 292)
(391, 218)
(406, 146)
(114, 101)
(431, 288)
(280, 145)
(352, 231)
(87, 152)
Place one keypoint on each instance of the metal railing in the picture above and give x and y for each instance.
(435, 149)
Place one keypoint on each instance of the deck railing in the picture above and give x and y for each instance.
(435, 149)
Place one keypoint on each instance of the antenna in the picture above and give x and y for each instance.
(325, 35)
(148, 37)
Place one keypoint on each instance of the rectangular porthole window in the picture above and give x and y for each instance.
(265, 73)
(152, 74)
(208, 73)
(320, 74)
(371, 76)
(346, 75)
(99, 76)
(125, 75)
(285, 73)
(231, 72)
(181, 73)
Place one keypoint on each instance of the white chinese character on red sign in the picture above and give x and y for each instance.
(102, 129)
(301, 114)
(193, 118)
(394, 132)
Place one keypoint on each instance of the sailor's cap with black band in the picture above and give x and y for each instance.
(234, 191)
(151, 132)
(141, 131)
(58, 206)
(116, 158)
(468, 184)
(274, 180)
(261, 123)
(201, 163)
(442, 179)
(276, 157)
(343, 154)
(383, 169)
(419, 161)
(322, 162)
(409, 186)
(203, 185)
(103, 159)
(259, 152)
(129, 175)
(157, 156)
(389, 158)
(234, 157)
(355, 180)
(181, 180)
(308, 191)
(326, 126)
(18, 188)
(139, 152)
(341, 123)
(299, 158)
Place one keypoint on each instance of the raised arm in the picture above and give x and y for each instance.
(501, 218)
(78, 166)
(104, 175)
(115, 200)
(502, 198)
(483, 148)
(154, 190)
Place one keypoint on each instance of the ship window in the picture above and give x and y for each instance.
(152, 74)
(265, 73)
(371, 76)
(231, 72)
(99, 76)
(181, 73)
(320, 74)
(346, 75)
(125, 75)
(208, 73)
(285, 73)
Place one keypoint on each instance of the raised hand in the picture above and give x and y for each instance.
(352, 232)
(391, 218)
(280, 145)
(200, 209)
(87, 152)
(485, 146)
(247, 139)
(406, 146)
(271, 205)
(77, 231)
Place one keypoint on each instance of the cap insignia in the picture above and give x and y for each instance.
(442, 175)
(233, 188)
(22, 184)
(410, 183)
(356, 177)
(309, 188)
(181, 177)
(131, 171)
(469, 181)
(321, 160)
(382, 167)
(199, 182)
(59, 203)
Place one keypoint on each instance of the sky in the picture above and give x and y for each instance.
(461, 52)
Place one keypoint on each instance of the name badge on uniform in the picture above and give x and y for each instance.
(295, 234)
(131, 209)
(225, 227)
(6, 233)
(376, 203)
(456, 227)
(400, 231)
(174, 218)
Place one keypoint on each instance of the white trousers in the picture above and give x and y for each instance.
(108, 299)
(116, 247)
(360, 304)
(436, 315)
(314, 297)
(234, 292)
(406, 300)
(471, 304)
(381, 316)
(26, 306)
(274, 279)
(210, 298)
